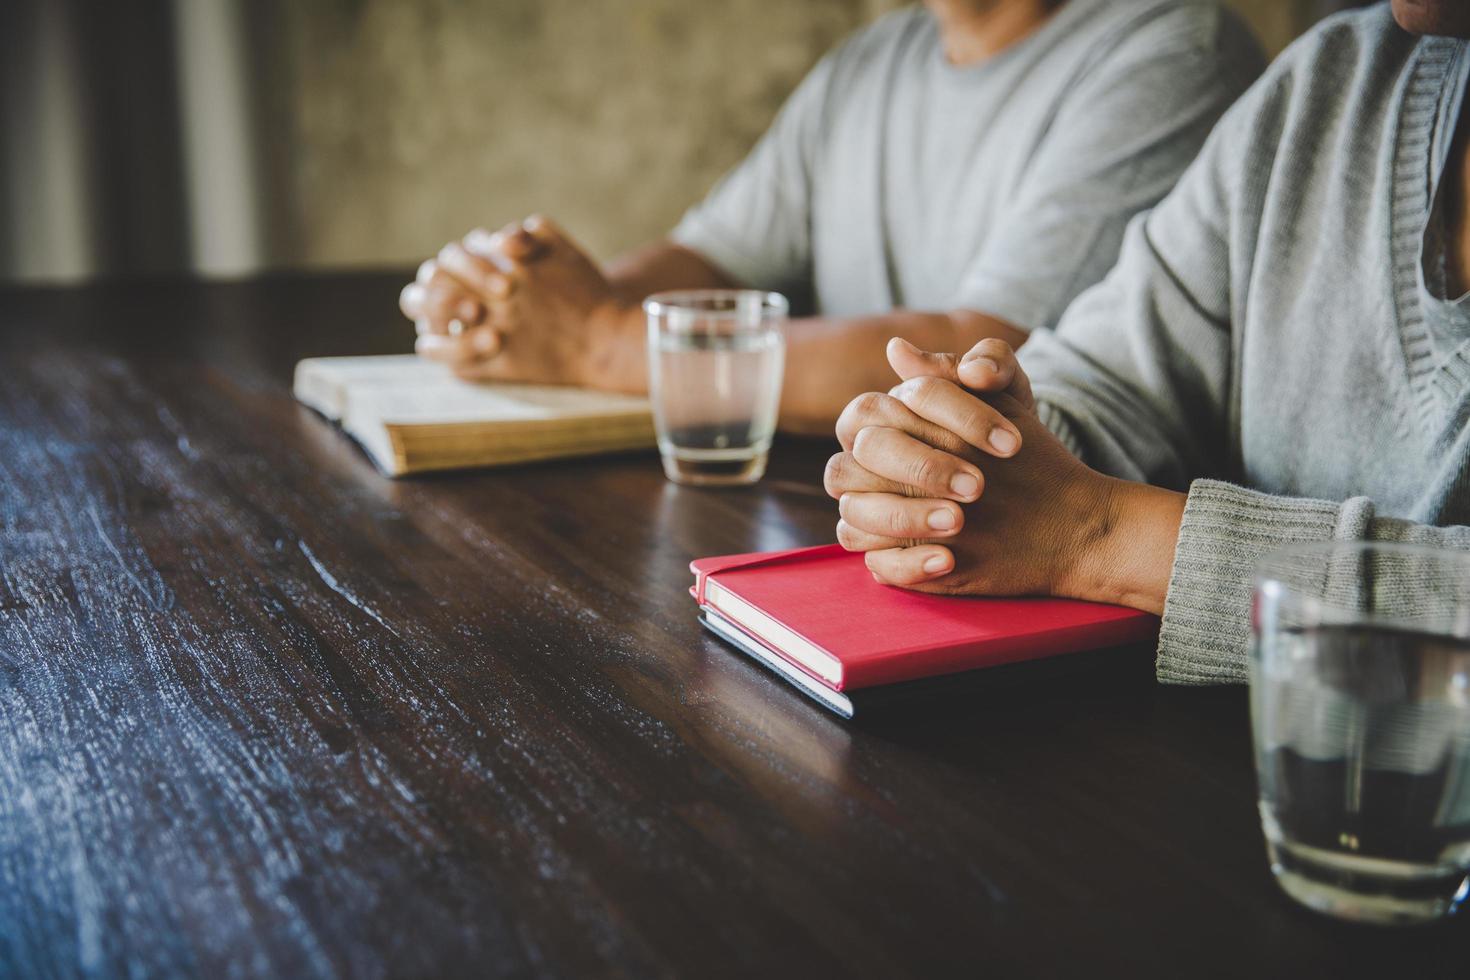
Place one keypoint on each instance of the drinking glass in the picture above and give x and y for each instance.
(1360, 708)
(715, 358)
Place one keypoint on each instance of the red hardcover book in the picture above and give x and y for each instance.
(817, 617)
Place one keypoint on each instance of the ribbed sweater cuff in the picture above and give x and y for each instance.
(1205, 635)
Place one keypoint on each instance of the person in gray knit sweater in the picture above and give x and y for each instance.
(1281, 354)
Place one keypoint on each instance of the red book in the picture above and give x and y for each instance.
(816, 616)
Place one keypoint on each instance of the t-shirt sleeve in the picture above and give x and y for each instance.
(1132, 123)
(755, 224)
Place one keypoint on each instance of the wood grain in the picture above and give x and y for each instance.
(265, 713)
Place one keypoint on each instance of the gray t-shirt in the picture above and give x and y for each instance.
(893, 179)
(1277, 336)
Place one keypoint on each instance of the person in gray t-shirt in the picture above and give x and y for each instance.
(956, 170)
(1282, 355)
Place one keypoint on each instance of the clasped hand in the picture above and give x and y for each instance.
(951, 484)
(520, 304)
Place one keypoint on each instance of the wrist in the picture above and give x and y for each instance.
(613, 355)
(1127, 553)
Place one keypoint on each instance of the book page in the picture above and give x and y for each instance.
(408, 390)
(387, 369)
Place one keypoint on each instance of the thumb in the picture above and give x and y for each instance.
(509, 249)
(909, 361)
(991, 366)
(546, 232)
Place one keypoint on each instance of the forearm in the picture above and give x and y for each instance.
(660, 266)
(830, 361)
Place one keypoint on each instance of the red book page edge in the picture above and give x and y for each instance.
(703, 568)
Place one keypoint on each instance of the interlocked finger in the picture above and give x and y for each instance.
(910, 566)
(899, 457)
(897, 516)
(471, 345)
(846, 475)
(951, 408)
(877, 408)
(477, 273)
(856, 539)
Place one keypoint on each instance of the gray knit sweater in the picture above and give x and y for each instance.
(1275, 337)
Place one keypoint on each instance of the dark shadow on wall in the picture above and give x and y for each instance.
(91, 132)
(96, 110)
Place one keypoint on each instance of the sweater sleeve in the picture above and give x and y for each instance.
(1138, 380)
(1137, 375)
(1226, 531)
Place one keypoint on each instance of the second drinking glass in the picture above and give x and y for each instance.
(715, 359)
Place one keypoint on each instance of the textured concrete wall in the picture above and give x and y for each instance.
(395, 125)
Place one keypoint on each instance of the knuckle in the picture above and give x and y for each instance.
(927, 386)
(923, 470)
(870, 404)
(834, 476)
(409, 299)
(903, 392)
(975, 420)
(896, 521)
(922, 392)
(859, 412)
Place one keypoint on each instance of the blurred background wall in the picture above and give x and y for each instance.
(233, 136)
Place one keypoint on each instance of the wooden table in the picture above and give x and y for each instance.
(265, 712)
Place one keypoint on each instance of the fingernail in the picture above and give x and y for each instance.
(935, 563)
(941, 519)
(1003, 441)
(988, 364)
(485, 340)
(456, 327)
(964, 485)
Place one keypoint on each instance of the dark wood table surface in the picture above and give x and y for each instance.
(264, 712)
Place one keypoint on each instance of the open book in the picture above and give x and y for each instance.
(412, 415)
